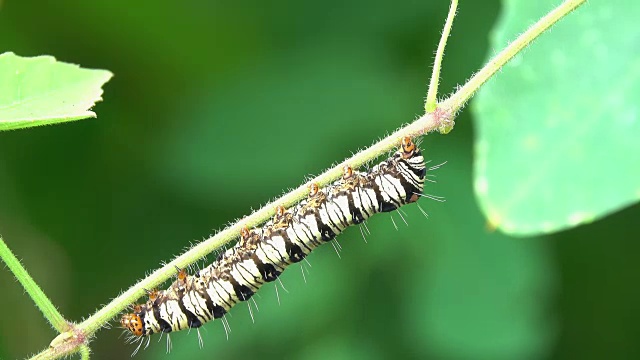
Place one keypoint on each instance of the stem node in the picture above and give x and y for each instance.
(69, 341)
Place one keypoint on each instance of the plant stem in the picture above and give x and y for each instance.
(457, 100)
(48, 354)
(51, 353)
(431, 102)
(35, 292)
(84, 352)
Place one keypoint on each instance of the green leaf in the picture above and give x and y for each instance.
(558, 136)
(40, 91)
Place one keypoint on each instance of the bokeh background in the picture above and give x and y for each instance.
(218, 107)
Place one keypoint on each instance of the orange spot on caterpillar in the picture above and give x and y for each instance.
(280, 210)
(347, 172)
(182, 275)
(153, 295)
(408, 147)
(313, 189)
(244, 233)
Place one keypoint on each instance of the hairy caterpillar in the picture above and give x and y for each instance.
(262, 254)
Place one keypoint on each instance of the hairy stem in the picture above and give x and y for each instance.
(48, 354)
(55, 353)
(84, 352)
(457, 100)
(35, 292)
(431, 102)
(440, 118)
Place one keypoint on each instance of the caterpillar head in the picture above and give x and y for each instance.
(133, 323)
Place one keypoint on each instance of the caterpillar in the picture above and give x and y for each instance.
(262, 254)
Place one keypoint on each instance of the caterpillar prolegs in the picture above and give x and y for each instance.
(262, 254)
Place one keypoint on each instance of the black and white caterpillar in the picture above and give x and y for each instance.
(262, 254)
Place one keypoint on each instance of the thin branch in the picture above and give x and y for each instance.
(457, 100)
(85, 352)
(51, 352)
(431, 102)
(48, 354)
(35, 292)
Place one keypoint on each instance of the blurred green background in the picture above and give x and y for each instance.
(217, 107)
